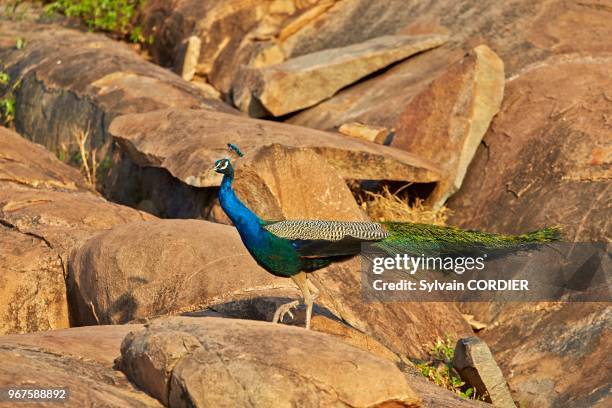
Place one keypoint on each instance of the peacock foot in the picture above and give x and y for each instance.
(283, 310)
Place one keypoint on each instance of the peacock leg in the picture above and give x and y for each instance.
(302, 281)
(283, 310)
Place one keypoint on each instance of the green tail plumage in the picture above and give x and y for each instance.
(425, 238)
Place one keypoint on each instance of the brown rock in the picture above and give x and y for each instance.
(306, 80)
(223, 363)
(446, 122)
(79, 359)
(190, 53)
(477, 367)
(69, 80)
(187, 143)
(233, 33)
(301, 185)
(62, 219)
(33, 292)
(404, 327)
(520, 32)
(374, 134)
(553, 354)
(26, 163)
(545, 158)
(146, 269)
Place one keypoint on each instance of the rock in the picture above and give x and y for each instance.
(374, 134)
(189, 56)
(80, 360)
(406, 328)
(233, 33)
(477, 367)
(69, 81)
(553, 354)
(306, 80)
(43, 214)
(520, 32)
(545, 147)
(446, 122)
(145, 269)
(278, 182)
(475, 324)
(33, 292)
(187, 143)
(26, 163)
(221, 362)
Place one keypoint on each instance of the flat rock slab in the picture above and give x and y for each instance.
(446, 122)
(26, 163)
(308, 79)
(225, 362)
(80, 360)
(478, 369)
(71, 80)
(520, 32)
(145, 269)
(187, 143)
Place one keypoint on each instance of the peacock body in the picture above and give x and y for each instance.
(292, 248)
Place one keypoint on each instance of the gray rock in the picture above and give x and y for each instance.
(477, 367)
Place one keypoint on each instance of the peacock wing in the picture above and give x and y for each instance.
(318, 239)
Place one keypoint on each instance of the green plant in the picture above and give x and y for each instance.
(116, 16)
(7, 101)
(439, 368)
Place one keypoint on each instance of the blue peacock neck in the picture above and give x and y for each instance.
(245, 220)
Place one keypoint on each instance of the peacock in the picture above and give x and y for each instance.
(295, 248)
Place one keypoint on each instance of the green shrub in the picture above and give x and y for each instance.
(116, 16)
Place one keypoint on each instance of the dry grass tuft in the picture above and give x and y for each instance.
(388, 206)
(88, 158)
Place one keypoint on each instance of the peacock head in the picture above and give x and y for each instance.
(223, 166)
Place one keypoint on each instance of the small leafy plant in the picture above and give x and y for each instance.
(439, 368)
(115, 16)
(7, 101)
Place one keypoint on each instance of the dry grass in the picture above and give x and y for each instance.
(88, 158)
(388, 206)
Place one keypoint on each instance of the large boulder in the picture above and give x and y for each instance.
(80, 360)
(225, 362)
(188, 142)
(145, 269)
(546, 161)
(301, 82)
(520, 32)
(446, 122)
(65, 80)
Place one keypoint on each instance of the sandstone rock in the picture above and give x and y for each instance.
(233, 33)
(520, 32)
(404, 327)
(146, 269)
(190, 53)
(221, 362)
(187, 143)
(374, 134)
(446, 122)
(546, 156)
(33, 292)
(301, 185)
(79, 359)
(61, 219)
(477, 367)
(306, 80)
(29, 164)
(532, 341)
(69, 80)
